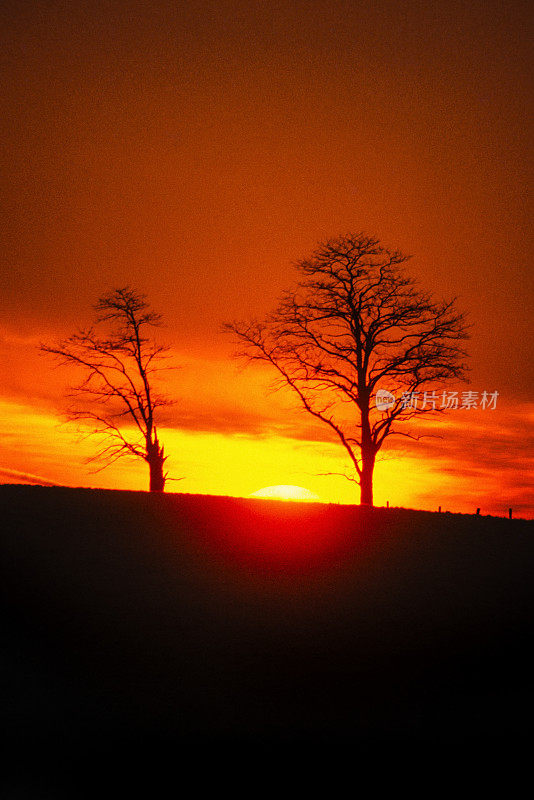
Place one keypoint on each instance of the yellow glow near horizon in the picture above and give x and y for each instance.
(287, 492)
(37, 448)
(36, 442)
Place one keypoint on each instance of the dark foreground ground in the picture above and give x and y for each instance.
(187, 620)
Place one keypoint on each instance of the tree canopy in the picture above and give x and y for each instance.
(356, 323)
(119, 361)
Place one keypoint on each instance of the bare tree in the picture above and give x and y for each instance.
(354, 323)
(119, 362)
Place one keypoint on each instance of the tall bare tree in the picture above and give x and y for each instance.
(355, 323)
(119, 361)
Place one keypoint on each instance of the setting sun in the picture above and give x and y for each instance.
(287, 492)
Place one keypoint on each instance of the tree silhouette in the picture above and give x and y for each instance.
(119, 362)
(356, 323)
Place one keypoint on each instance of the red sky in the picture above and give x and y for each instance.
(196, 150)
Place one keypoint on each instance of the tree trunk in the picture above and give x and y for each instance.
(157, 478)
(366, 479)
(156, 458)
(368, 452)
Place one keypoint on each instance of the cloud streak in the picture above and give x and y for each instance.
(25, 477)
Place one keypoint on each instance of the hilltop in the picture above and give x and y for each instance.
(195, 618)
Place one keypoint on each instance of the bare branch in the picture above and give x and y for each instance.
(118, 366)
(355, 322)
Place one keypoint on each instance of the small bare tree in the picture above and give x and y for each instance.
(355, 322)
(119, 362)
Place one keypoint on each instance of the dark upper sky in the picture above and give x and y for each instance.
(196, 149)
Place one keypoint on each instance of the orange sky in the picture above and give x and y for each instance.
(195, 150)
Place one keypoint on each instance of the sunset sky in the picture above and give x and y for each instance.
(196, 150)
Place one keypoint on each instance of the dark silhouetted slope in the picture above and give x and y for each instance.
(212, 619)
